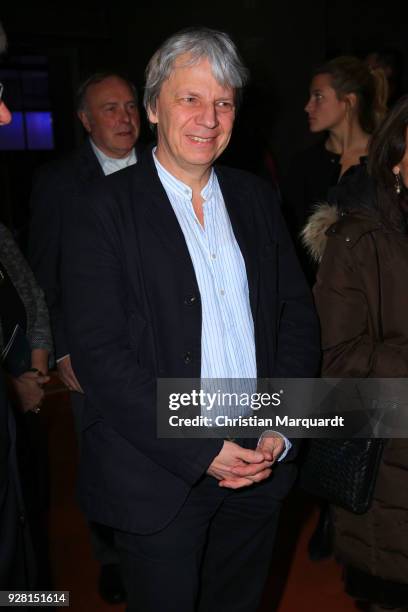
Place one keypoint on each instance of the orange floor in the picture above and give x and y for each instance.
(295, 584)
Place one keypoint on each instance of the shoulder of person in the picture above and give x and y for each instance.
(65, 168)
(310, 155)
(5, 233)
(329, 223)
(106, 193)
(56, 167)
(8, 244)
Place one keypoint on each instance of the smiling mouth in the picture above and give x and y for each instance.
(199, 139)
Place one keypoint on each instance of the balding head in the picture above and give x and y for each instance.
(107, 108)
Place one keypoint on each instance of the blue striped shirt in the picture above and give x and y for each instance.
(227, 332)
(227, 338)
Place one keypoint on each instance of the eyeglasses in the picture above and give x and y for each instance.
(1, 91)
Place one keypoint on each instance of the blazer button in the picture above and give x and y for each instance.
(187, 357)
(190, 300)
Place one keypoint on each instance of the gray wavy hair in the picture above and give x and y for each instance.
(227, 66)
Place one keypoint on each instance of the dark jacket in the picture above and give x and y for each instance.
(128, 282)
(55, 187)
(313, 177)
(360, 289)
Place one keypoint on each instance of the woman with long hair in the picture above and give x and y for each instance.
(361, 296)
(346, 104)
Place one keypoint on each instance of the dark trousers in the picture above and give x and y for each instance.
(102, 542)
(214, 556)
(18, 564)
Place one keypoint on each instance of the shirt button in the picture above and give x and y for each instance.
(190, 300)
(222, 292)
(213, 255)
(187, 357)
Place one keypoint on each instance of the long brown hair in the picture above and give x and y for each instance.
(387, 148)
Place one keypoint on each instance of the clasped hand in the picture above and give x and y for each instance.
(236, 467)
(29, 389)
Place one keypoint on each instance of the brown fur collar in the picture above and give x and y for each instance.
(314, 235)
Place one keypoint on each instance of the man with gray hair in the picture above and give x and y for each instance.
(107, 109)
(177, 268)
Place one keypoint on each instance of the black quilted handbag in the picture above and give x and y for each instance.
(343, 472)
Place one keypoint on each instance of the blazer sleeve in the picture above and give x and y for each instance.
(119, 392)
(349, 349)
(44, 253)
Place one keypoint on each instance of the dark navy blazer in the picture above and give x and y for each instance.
(127, 285)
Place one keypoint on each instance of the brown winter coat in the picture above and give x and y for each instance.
(362, 284)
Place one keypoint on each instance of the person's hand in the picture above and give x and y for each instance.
(29, 391)
(253, 464)
(271, 445)
(67, 375)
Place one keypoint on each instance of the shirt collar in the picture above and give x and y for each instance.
(112, 164)
(179, 188)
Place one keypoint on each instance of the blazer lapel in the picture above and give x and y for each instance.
(158, 210)
(162, 220)
(89, 168)
(240, 211)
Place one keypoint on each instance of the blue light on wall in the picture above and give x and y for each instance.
(39, 130)
(12, 137)
(28, 130)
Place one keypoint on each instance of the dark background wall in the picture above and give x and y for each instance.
(280, 42)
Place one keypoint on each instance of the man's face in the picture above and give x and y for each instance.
(111, 117)
(194, 116)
